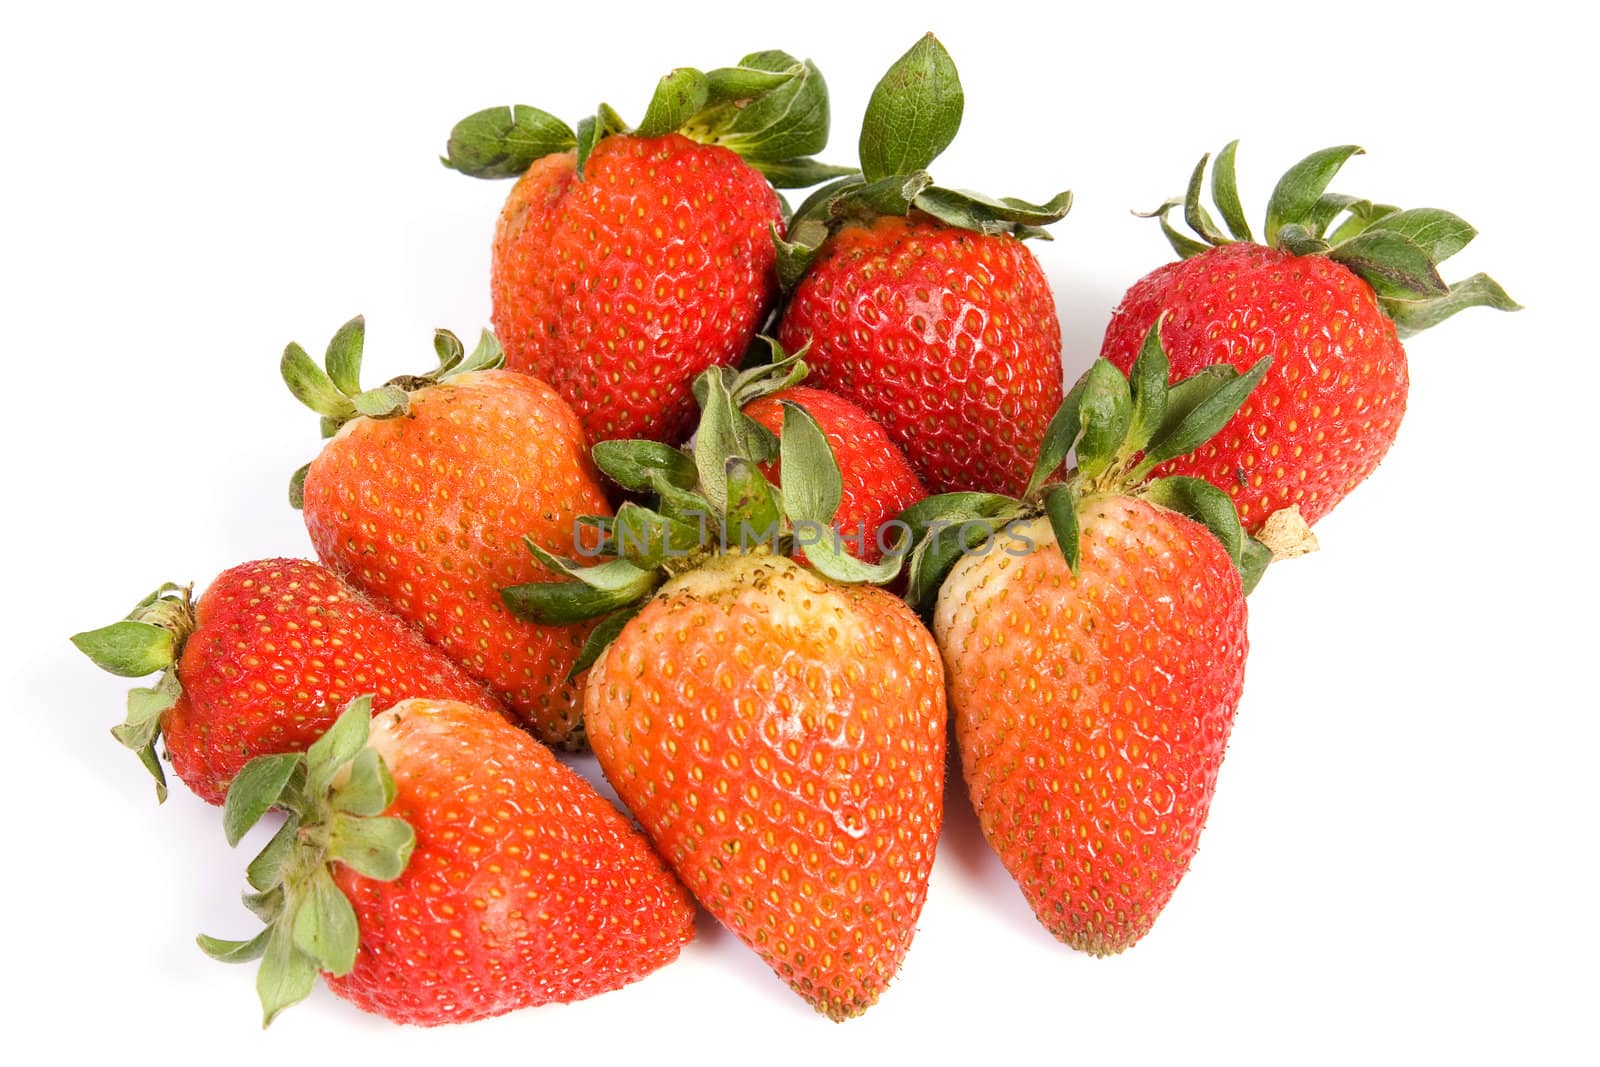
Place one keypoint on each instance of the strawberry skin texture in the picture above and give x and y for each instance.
(619, 288)
(526, 886)
(427, 513)
(948, 338)
(1091, 713)
(1329, 407)
(781, 739)
(878, 482)
(280, 646)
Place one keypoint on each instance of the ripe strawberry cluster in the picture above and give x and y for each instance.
(764, 634)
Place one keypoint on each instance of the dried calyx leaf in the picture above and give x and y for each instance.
(707, 500)
(1397, 251)
(333, 797)
(913, 116)
(1118, 429)
(771, 109)
(148, 639)
(334, 391)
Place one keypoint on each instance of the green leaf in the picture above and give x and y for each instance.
(1300, 241)
(297, 487)
(560, 603)
(337, 747)
(373, 848)
(1363, 213)
(913, 114)
(1105, 408)
(343, 358)
(145, 708)
(1390, 260)
(1413, 316)
(802, 172)
(983, 214)
(369, 790)
(1061, 508)
(267, 869)
(943, 532)
(384, 402)
(812, 485)
(679, 96)
(1225, 191)
(325, 925)
(1301, 186)
(1439, 234)
(753, 516)
(893, 195)
(590, 133)
(502, 142)
(715, 441)
(788, 120)
(266, 906)
(235, 951)
(1185, 247)
(1147, 381)
(1061, 436)
(825, 551)
(601, 636)
(487, 354)
(128, 649)
(253, 792)
(1253, 563)
(1194, 210)
(449, 349)
(646, 538)
(629, 463)
(1196, 414)
(311, 385)
(796, 256)
(1204, 503)
(287, 975)
(726, 85)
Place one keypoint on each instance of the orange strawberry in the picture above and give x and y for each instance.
(1329, 301)
(627, 261)
(778, 730)
(424, 493)
(438, 866)
(262, 664)
(1094, 638)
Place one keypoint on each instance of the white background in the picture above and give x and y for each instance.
(1399, 859)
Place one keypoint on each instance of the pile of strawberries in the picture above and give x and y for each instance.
(764, 634)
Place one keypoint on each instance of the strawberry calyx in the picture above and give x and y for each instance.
(912, 117)
(771, 109)
(1118, 429)
(333, 797)
(334, 391)
(148, 639)
(1398, 252)
(707, 499)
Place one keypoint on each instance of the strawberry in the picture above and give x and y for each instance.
(1094, 639)
(878, 483)
(921, 303)
(1330, 303)
(423, 494)
(262, 664)
(627, 261)
(438, 866)
(777, 729)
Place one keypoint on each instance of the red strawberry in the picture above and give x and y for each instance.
(263, 664)
(878, 483)
(921, 303)
(628, 261)
(424, 494)
(779, 731)
(1094, 639)
(444, 868)
(1329, 303)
